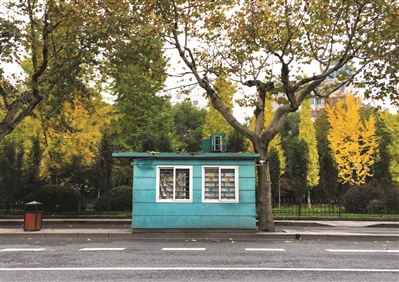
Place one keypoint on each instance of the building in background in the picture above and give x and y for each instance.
(195, 94)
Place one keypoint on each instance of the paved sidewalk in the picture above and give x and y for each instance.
(285, 230)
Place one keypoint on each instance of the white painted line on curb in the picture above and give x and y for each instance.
(21, 250)
(264, 250)
(102, 249)
(200, 269)
(361, 251)
(183, 249)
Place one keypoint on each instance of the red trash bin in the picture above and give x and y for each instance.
(33, 216)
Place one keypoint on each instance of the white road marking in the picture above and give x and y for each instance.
(102, 249)
(21, 250)
(361, 251)
(183, 249)
(200, 268)
(264, 250)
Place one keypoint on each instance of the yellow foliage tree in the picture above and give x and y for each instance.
(307, 132)
(214, 121)
(352, 139)
(70, 136)
(81, 140)
(391, 123)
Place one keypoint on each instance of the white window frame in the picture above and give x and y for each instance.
(220, 199)
(158, 182)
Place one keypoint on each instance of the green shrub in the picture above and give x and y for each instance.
(375, 207)
(358, 198)
(56, 198)
(391, 201)
(117, 199)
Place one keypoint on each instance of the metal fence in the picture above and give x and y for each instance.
(334, 208)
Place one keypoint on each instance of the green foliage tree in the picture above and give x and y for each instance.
(144, 121)
(32, 177)
(307, 132)
(11, 171)
(297, 167)
(142, 116)
(290, 131)
(381, 173)
(275, 174)
(384, 165)
(101, 171)
(289, 137)
(151, 142)
(328, 181)
(390, 127)
(188, 124)
(236, 142)
(381, 167)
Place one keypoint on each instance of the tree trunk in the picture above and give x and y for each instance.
(265, 210)
(309, 203)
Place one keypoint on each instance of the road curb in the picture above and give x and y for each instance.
(106, 234)
(128, 222)
(70, 221)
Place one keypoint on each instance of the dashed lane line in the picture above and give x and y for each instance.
(22, 250)
(183, 249)
(102, 249)
(361, 251)
(264, 250)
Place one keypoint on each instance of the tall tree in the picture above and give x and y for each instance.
(390, 127)
(101, 171)
(214, 121)
(188, 124)
(11, 168)
(307, 132)
(32, 166)
(251, 41)
(142, 119)
(352, 140)
(275, 175)
(71, 138)
(236, 142)
(328, 180)
(137, 70)
(297, 167)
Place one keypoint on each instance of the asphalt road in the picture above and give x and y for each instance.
(287, 228)
(337, 229)
(202, 260)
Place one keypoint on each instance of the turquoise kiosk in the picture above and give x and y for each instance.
(212, 190)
